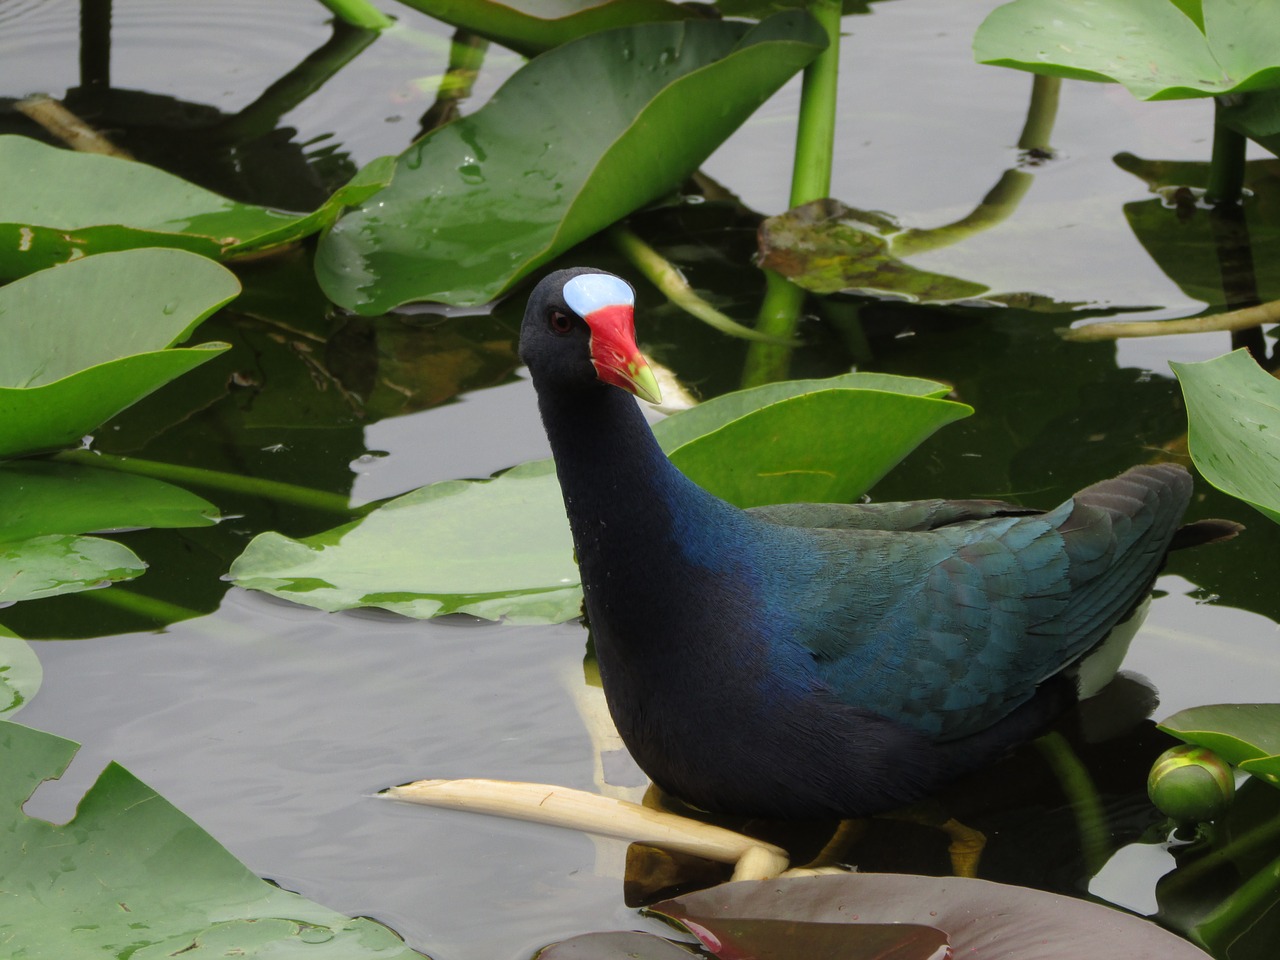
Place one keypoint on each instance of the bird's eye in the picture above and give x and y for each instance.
(559, 321)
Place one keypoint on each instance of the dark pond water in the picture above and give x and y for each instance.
(272, 725)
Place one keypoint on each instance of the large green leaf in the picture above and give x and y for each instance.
(86, 339)
(1233, 433)
(578, 138)
(493, 548)
(808, 448)
(132, 876)
(697, 421)
(1246, 735)
(1159, 49)
(20, 673)
(531, 26)
(47, 504)
(41, 497)
(501, 547)
(62, 205)
(56, 564)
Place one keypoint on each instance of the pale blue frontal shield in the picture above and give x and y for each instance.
(588, 292)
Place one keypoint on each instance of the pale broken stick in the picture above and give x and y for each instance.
(579, 810)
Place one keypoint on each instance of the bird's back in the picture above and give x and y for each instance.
(945, 616)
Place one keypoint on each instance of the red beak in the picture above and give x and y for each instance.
(614, 353)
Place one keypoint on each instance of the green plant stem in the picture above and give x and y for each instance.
(1234, 914)
(810, 180)
(1231, 320)
(1091, 820)
(659, 271)
(999, 203)
(1042, 113)
(201, 477)
(359, 13)
(1226, 168)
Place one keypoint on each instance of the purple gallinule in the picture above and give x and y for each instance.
(809, 660)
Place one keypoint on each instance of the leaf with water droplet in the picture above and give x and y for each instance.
(621, 135)
(1158, 50)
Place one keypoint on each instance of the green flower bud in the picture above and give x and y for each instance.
(1191, 784)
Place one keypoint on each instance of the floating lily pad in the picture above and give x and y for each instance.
(827, 247)
(73, 204)
(578, 138)
(491, 548)
(501, 548)
(53, 565)
(131, 875)
(87, 339)
(1233, 416)
(41, 497)
(46, 504)
(1246, 735)
(975, 917)
(1159, 49)
(20, 673)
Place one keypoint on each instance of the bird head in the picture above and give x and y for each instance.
(579, 328)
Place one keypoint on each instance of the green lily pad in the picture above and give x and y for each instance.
(73, 204)
(20, 673)
(827, 247)
(41, 497)
(1246, 735)
(531, 26)
(56, 564)
(501, 548)
(490, 548)
(1206, 255)
(87, 339)
(1159, 49)
(1233, 433)
(810, 448)
(131, 875)
(581, 136)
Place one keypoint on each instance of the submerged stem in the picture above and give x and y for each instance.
(217, 479)
(1073, 777)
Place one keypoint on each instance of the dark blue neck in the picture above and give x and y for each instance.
(646, 536)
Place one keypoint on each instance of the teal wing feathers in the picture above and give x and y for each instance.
(949, 630)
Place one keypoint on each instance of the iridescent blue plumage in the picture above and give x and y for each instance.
(822, 659)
